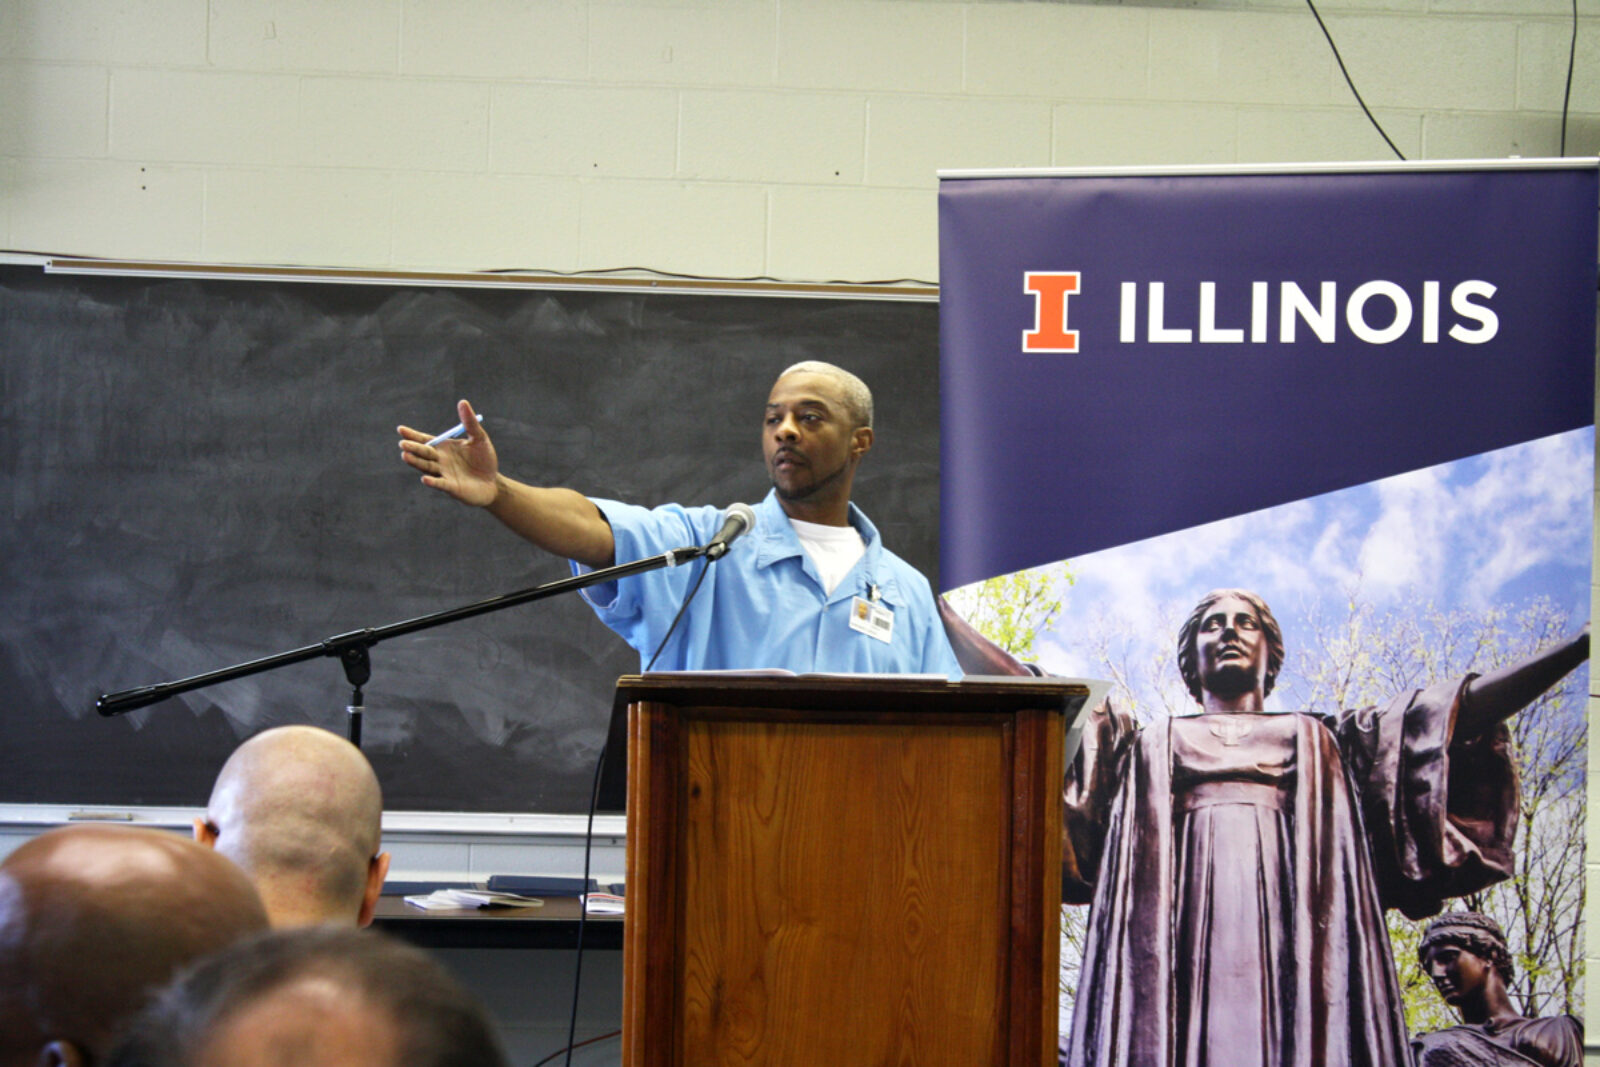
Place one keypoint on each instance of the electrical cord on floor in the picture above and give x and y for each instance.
(587, 1041)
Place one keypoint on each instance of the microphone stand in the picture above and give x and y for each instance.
(352, 649)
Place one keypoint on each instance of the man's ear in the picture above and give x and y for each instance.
(62, 1054)
(861, 441)
(205, 832)
(377, 871)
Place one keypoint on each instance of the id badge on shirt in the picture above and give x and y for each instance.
(873, 618)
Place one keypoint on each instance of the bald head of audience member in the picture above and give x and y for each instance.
(300, 810)
(322, 995)
(94, 919)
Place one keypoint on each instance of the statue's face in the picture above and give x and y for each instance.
(1231, 648)
(1456, 972)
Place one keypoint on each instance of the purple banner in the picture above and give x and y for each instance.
(1125, 356)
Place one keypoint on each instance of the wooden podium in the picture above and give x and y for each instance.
(834, 870)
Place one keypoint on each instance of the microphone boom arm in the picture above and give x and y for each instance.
(351, 648)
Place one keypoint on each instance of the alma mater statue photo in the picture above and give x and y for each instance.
(1238, 863)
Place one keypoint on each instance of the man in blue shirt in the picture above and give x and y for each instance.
(810, 589)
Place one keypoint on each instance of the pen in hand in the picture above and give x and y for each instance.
(455, 431)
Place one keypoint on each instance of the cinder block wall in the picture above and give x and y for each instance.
(796, 139)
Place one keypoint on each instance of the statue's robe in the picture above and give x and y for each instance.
(1554, 1041)
(1240, 865)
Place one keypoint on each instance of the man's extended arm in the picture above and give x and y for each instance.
(560, 521)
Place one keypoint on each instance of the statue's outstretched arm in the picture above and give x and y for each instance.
(1496, 696)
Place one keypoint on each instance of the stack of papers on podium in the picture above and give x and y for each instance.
(456, 899)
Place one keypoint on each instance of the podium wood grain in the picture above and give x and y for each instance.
(861, 872)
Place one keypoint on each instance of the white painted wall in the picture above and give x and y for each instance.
(796, 139)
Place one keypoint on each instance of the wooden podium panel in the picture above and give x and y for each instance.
(843, 871)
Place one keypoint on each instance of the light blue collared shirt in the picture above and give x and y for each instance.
(762, 605)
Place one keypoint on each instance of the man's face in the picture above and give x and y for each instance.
(1231, 648)
(808, 437)
(1456, 972)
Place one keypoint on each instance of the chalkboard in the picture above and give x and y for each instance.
(197, 473)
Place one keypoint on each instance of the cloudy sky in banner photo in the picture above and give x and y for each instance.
(1499, 528)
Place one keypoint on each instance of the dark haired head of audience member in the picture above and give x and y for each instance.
(94, 919)
(319, 994)
(299, 808)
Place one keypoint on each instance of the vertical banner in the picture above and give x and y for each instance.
(1364, 396)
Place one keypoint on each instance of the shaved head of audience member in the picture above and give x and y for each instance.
(93, 920)
(316, 995)
(300, 810)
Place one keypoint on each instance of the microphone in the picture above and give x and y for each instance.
(740, 521)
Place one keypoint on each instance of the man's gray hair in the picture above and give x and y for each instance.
(433, 1019)
(856, 394)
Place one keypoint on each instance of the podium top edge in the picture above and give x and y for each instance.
(672, 683)
(845, 678)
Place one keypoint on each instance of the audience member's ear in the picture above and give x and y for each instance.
(377, 871)
(205, 832)
(62, 1054)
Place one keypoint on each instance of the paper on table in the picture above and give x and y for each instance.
(602, 904)
(441, 899)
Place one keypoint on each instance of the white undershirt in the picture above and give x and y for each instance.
(834, 549)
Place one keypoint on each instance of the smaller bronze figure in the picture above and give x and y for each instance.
(1465, 954)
